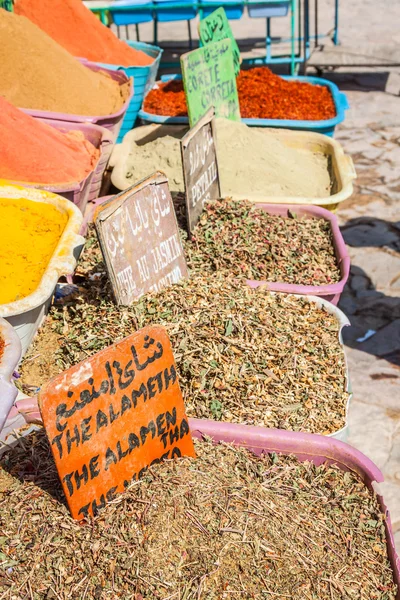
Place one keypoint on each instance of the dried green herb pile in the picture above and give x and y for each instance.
(224, 525)
(239, 238)
(243, 355)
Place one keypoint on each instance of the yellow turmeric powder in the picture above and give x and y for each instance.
(29, 234)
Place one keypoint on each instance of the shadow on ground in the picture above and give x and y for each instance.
(369, 232)
(369, 310)
(30, 459)
(357, 81)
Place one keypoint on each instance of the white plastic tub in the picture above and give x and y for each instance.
(26, 315)
(9, 360)
(343, 321)
(29, 407)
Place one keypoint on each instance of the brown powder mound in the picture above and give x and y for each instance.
(37, 73)
(79, 31)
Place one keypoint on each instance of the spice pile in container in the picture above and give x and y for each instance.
(243, 355)
(273, 167)
(79, 31)
(29, 234)
(37, 73)
(32, 151)
(262, 95)
(239, 239)
(226, 523)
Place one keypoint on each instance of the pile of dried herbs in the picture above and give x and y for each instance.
(243, 355)
(224, 525)
(240, 239)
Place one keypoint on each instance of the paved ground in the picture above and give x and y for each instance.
(371, 299)
(370, 225)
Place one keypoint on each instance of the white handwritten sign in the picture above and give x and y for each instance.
(200, 168)
(139, 239)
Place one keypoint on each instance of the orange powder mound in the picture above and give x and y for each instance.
(33, 152)
(80, 32)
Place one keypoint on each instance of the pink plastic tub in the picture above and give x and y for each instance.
(88, 214)
(111, 122)
(102, 139)
(306, 446)
(330, 292)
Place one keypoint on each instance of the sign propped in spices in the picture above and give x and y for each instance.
(139, 239)
(209, 81)
(112, 416)
(200, 168)
(216, 27)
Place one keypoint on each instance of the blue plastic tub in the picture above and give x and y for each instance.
(131, 17)
(166, 14)
(143, 80)
(233, 9)
(326, 127)
(266, 10)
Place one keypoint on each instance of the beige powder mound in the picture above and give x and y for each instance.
(37, 73)
(251, 161)
(162, 154)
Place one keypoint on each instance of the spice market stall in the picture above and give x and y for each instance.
(183, 365)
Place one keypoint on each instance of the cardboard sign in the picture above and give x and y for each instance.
(209, 81)
(216, 27)
(200, 168)
(139, 239)
(111, 416)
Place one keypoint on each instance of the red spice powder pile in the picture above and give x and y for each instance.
(33, 152)
(1, 346)
(80, 32)
(262, 95)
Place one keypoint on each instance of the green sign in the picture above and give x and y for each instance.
(209, 81)
(215, 28)
(7, 5)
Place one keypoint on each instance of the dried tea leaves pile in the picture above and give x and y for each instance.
(243, 355)
(239, 238)
(224, 525)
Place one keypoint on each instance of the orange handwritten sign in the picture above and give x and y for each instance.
(111, 416)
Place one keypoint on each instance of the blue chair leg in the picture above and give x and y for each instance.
(268, 40)
(155, 31)
(190, 35)
(336, 32)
